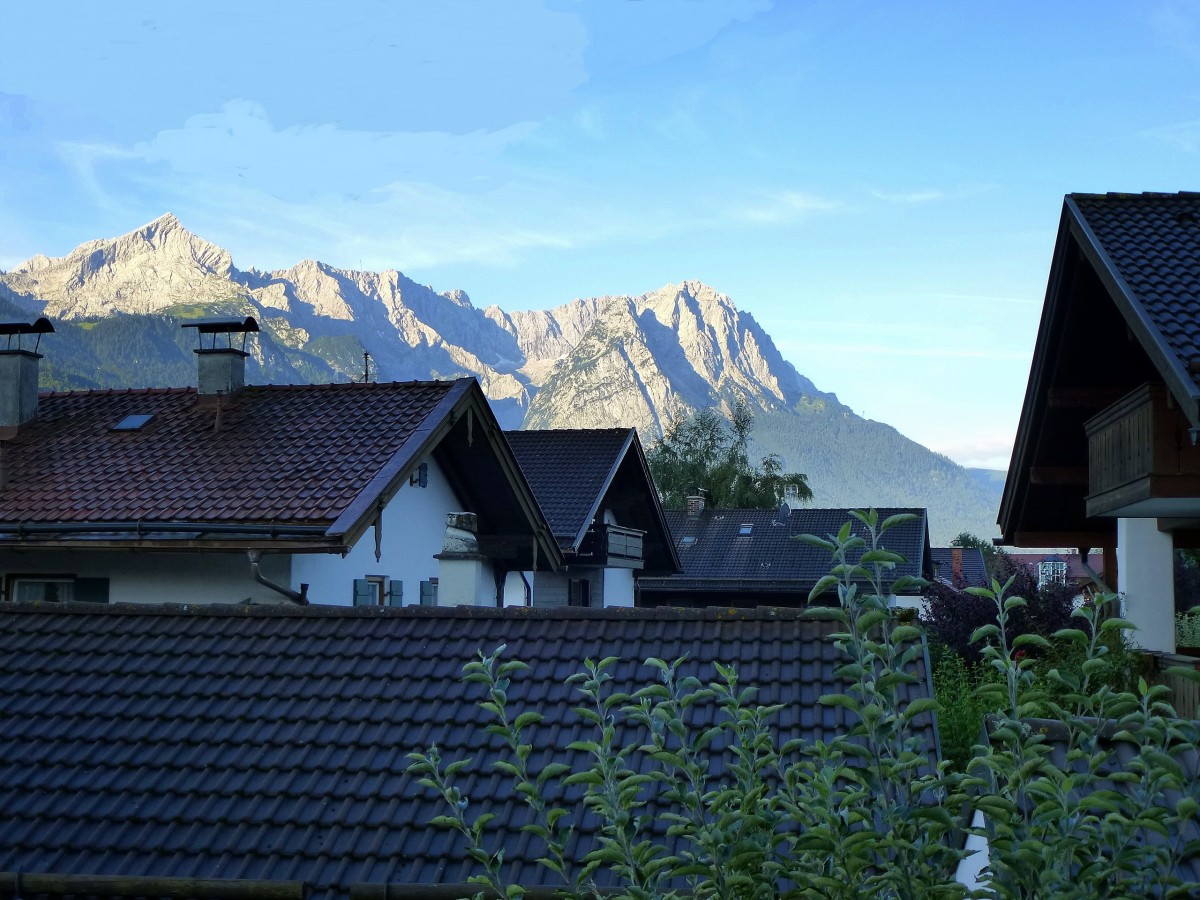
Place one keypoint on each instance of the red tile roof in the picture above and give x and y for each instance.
(284, 454)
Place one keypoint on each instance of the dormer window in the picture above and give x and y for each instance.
(1052, 571)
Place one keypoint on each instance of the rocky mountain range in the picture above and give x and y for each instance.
(644, 361)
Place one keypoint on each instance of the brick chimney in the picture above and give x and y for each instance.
(956, 564)
(221, 370)
(19, 372)
(696, 503)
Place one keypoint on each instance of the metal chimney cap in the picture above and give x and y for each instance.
(41, 325)
(222, 326)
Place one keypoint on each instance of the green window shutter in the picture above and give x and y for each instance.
(428, 593)
(91, 590)
(362, 592)
(395, 594)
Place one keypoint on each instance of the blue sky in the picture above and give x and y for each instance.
(878, 183)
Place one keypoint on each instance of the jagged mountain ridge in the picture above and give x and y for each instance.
(597, 362)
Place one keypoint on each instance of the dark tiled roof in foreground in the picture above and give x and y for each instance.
(294, 454)
(270, 743)
(1153, 243)
(567, 469)
(718, 555)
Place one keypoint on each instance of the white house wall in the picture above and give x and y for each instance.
(618, 587)
(414, 524)
(156, 577)
(1146, 582)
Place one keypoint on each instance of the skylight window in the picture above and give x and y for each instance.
(746, 529)
(687, 540)
(134, 422)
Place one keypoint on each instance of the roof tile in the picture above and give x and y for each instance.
(285, 453)
(220, 752)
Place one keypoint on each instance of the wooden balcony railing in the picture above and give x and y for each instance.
(1140, 457)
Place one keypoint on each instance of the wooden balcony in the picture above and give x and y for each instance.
(1141, 461)
(613, 545)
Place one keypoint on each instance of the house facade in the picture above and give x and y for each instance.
(335, 493)
(595, 489)
(1106, 453)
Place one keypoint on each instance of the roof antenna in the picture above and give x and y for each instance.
(366, 378)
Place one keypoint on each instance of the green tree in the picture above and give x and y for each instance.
(708, 452)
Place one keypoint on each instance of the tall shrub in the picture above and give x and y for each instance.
(866, 814)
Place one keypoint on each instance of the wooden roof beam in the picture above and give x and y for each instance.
(1059, 476)
(1083, 398)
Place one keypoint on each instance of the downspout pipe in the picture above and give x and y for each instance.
(299, 598)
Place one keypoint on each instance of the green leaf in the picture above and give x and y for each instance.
(920, 705)
(841, 700)
(822, 585)
(897, 519)
(525, 719)
(984, 631)
(552, 770)
(1030, 640)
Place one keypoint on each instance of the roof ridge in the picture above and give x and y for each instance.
(359, 385)
(190, 389)
(116, 392)
(284, 611)
(1143, 195)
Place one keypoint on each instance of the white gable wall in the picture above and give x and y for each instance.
(414, 524)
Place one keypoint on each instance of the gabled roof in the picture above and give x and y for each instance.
(973, 566)
(757, 550)
(569, 471)
(573, 470)
(309, 462)
(271, 743)
(1122, 308)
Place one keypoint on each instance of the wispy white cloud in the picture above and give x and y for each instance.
(1182, 136)
(785, 206)
(988, 450)
(240, 142)
(899, 197)
(916, 196)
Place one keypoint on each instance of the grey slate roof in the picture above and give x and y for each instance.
(270, 743)
(974, 568)
(1152, 244)
(717, 557)
(568, 470)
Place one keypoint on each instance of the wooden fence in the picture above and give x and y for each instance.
(1185, 694)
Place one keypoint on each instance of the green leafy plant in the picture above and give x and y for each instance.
(1079, 781)
(1187, 629)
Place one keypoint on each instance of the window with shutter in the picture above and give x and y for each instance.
(395, 592)
(362, 592)
(579, 592)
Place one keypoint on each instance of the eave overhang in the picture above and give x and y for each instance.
(1076, 246)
